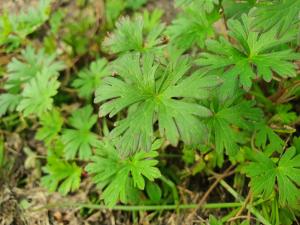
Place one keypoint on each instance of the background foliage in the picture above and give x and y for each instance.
(189, 106)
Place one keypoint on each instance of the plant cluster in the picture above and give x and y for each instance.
(219, 86)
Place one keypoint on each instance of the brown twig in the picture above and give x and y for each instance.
(242, 217)
(249, 213)
(238, 214)
(219, 177)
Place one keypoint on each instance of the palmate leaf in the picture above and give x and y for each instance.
(15, 27)
(61, 176)
(132, 35)
(89, 79)
(257, 54)
(31, 82)
(51, 125)
(80, 139)
(267, 139)
(281, 13)
(25, 23)
(266, 174)
(37, 95)
(228, 116)
(29, 65)
(192, 27)
(155, 93)
(151, 19)
(113, 174)
(8, 102)
(285, 114)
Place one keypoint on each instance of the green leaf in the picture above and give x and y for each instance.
(112, 173)
(155, 93)
(135, 4)
(286, 216)
(15, 27)
(51, 125)
(89, 79)
(37, 95)
(25, 23)
(266, 175)
(267, 139)
(8, 102)
(256, 54)
(283, 14)
(284, 114)
(5, 27)
(188, 155)
(61, 176)
(113, 9)
(151, 19)
(131, 35)
(56, 20)
(296, 144)
(77, 34)
(207, 5)
(192, 27)
(229, 115)
(214, 221)
(153, 191)
(29, 65)
(31, 82)
(234, 9)
(80, 139)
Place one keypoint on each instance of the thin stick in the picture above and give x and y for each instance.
(238, 214)
(211, 188)
(242, 217)
(250, 207)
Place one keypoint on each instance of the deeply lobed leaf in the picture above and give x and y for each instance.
(37, 95)
(192, 27)
(154, 93)
(257, 54)
(89, 79)
(61, 175)
(266, 174)
(80, 139)
(132, 35)
(113, 174)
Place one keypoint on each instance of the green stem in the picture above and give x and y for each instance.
(231, 190)
(258, 215)
(142, 207)
(173, 188)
